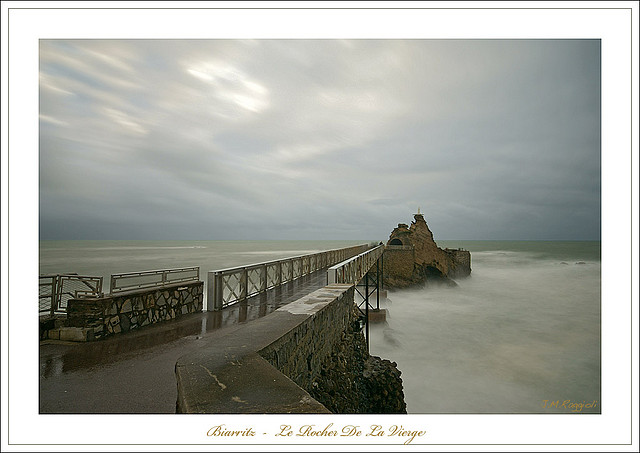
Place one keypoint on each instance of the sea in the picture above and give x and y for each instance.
(522, 334)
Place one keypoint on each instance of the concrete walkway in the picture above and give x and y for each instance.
(134, 373)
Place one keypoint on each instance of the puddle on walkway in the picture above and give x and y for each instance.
(57, 358)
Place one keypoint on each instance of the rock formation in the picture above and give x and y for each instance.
(413, 258)
(353, 382)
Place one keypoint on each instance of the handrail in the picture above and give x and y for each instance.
(159, 278)
(56, 289)
(354, 269)
(228, 286)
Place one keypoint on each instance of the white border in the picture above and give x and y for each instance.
(26, 26)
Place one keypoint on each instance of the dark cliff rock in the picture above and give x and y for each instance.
(353, 382)
(384, 387)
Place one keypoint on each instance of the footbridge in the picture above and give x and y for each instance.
(228, 286)
(360, 265)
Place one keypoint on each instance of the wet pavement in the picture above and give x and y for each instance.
(134, 372)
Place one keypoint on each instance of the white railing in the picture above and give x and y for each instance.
(55, 290)
(131, 281)
(228, 286)
(354, 269)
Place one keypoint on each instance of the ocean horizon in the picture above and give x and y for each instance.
(101, 258)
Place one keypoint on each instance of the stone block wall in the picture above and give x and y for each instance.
(398, 263)
(327, 356)
(129, 311)
(301, 352)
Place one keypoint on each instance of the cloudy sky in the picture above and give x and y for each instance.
(319, 139)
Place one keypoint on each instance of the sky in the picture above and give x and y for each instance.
(275, 139)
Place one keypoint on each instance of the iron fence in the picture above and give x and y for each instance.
(354, 269)
(130, 281)
(228, 286)
(55, 290)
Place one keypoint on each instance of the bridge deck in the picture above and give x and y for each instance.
(134, 372)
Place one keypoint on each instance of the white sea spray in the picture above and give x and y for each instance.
(524, 328)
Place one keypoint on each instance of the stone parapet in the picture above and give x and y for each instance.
(124, 312)
(301, 352)
(308, 356)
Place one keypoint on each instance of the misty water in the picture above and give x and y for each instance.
(523, 329)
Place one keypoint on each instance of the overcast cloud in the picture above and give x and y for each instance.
(319, 139)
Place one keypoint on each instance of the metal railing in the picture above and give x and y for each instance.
(354, 269)
(47, 294)
(55, 290)
(130, 281)
(228, 286)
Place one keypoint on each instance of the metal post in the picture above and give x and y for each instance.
(214, 291)
(244, 283)
(331, 276)
(382, 270)
(219, 294)
(378, 285)
(59, 290)
(54, 295)
(211, 285)
(366, 309)
(263, 279)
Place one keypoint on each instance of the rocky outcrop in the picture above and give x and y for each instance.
(413, 258)
(353, 382)
(384, 387)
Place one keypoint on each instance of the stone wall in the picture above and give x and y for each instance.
(129, 311)
(309, 356)
(398, 262)
(301, 353)
(327, 356)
